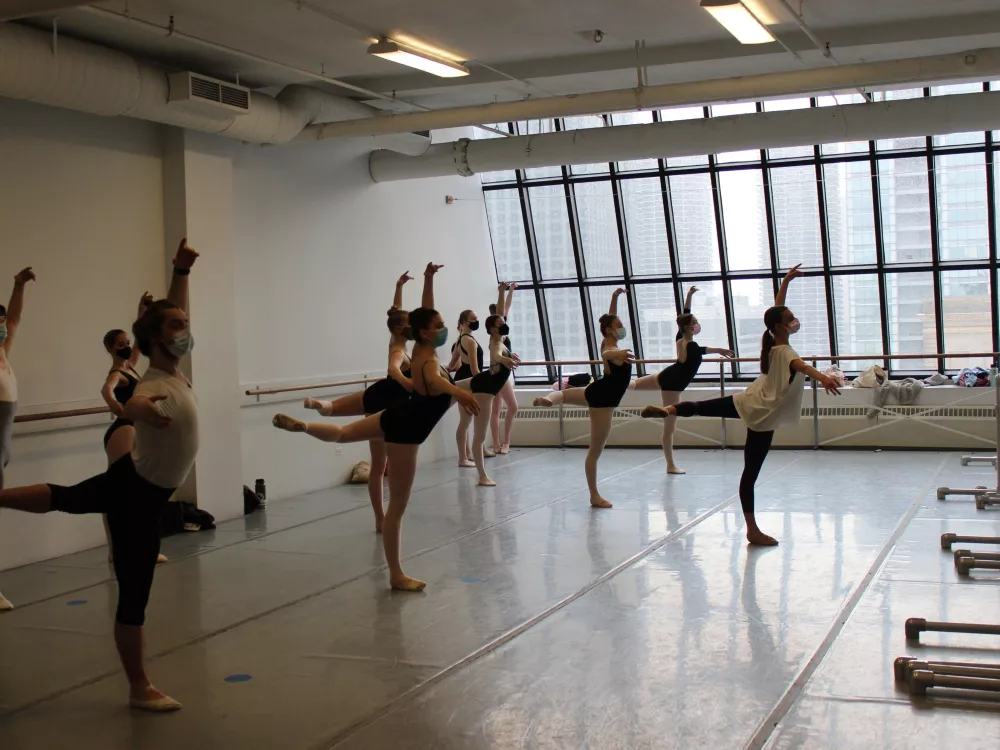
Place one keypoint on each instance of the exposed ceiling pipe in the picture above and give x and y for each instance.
(88, 78)
(978, 64)
(802, 127)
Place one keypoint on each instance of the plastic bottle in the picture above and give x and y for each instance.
(261, 490)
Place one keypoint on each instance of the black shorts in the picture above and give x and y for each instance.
(382, 395)
(118, 423)
(490, 381)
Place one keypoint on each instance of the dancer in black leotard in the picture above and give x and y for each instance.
(404, 425)
(673, 380)
(118, 388)
(507, 400)
(603, 395)
(395, 387)
(466, 361)
(773, 399)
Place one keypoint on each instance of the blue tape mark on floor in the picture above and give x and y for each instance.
(470, 579)
(76, 603)
(238, 678)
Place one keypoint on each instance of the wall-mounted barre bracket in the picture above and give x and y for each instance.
(949, 539)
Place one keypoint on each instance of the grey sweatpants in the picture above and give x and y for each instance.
(7, 411)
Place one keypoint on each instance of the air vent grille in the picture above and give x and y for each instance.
(207, 94)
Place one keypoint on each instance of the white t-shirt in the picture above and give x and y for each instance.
(165, 456)
(773, 399)
(8, 383)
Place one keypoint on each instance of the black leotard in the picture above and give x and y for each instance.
(410, 422)
(465, 371)
(608, 391)
(491, 381)
(383, 394)
(679, 375)
(123, 392)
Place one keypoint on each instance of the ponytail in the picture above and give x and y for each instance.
(771, 320)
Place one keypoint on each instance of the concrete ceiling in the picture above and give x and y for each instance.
(547, 44)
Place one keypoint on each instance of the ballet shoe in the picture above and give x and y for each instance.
(154, 702)
(486, 482)
(675, 470)
(600, 502)
(467, 464)
(160, 559)
(760, 539)
(407, 584)
(5, 605)
(489, 454)
(653, 412)
(311, 403)
(540, 401)
(287, 423)
(505, 449)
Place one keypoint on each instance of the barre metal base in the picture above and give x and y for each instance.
(967, 564)
(917, 625)
(987, 499)
(922, 679)
(949, 539)
(966, 460)
(943, 492)
(904, 666)
(959, 553)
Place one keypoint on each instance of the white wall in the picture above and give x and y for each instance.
(81, 202)
(319, 248)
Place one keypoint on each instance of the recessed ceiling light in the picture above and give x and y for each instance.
(739, 21)
(406, 55)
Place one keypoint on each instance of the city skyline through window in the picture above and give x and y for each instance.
(897, 239)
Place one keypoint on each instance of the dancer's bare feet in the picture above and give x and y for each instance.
(405, 583)
(467, 464)
(760, 539)
(486, 482)
(540, 401)
(148, 698)
(599, 502)
(287, 423)
(674, 469)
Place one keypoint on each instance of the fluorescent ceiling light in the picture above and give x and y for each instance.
(739, 21)
(405, 55)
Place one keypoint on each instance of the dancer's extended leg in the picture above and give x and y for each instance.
(600, 428)
(351, 405)
(572, 396)
(368, 428)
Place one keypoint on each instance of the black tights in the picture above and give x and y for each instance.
(133, 508)
(754, 451)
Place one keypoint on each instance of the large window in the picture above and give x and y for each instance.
(894, 237)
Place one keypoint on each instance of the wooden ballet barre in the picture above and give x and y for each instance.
(308, 387)
(807, 357)
(45, 415)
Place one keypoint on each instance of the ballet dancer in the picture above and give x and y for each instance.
(10, 319)
(773, 399)
(135, 488)
(506, 396)
(396, 386)
(466, 361)
(404, 426)
(673, 380)
(119, 386)
(603, 395)
(485, 386)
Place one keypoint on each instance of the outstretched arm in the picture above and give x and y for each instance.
(427, 300)
(779, 298)
(613, 310)
(183, 260)
(16, 306)
(828, 382)
(397, 298)
(441, 385)
(687, 299)
(510, 298)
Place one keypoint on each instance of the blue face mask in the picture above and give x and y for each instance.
(621, 334)
(440, 338)
(3, 332)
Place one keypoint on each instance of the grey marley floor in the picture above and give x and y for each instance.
(544, 625)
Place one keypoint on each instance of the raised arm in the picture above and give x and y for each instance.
(397, 298)
(613, 310)
(16, 306)
(427, 300)
(510, 298)
(687, 299)
(396, 371)
(501, 288)
(145, 301)
(183, 260)
(779, 298)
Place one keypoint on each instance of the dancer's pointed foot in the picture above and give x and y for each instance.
(467, 464)
(540, 401)
(405, 583)
(599, 502)
(5, 605)
(150, 699)
(486, 482)
(311, 403)
(287, 423)
(160, 559)
(759, 539)
(651, 411)
(674, 469)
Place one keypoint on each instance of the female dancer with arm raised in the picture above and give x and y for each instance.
(507, 398)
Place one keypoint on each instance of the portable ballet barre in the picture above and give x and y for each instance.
(904, 666)
(917, 625)
(967, 564)
(966, 460)
(959, 553)
(922, 679)
(949, 539)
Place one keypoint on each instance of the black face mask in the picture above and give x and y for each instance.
(504, 329)
(474, 325)
(123, 352)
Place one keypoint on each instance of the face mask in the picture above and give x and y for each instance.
(440, 338)
(794, 326)
(123, 352)
(696, 329)
(3, 333)
(503, 330)
(621, 334)
(182, 344)
(474, 325)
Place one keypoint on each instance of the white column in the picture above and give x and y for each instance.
(198, 185)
